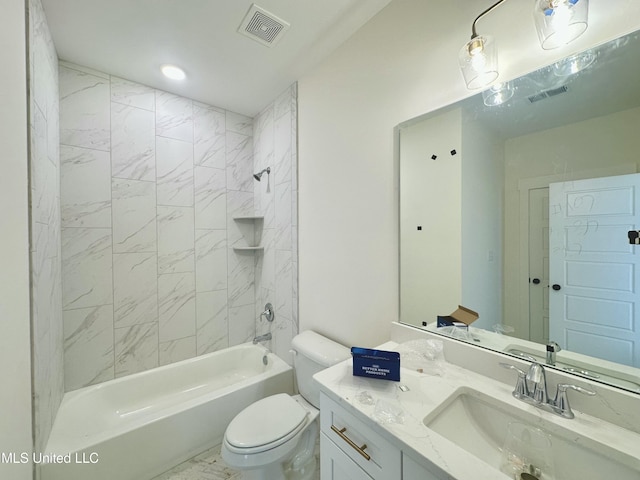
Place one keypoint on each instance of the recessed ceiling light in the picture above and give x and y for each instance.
(173, 72)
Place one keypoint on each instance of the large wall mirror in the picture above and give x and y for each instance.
(517, 203)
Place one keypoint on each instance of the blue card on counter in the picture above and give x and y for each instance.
(373, 363)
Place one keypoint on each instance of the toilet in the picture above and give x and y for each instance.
(274, 438)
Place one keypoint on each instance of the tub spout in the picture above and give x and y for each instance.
(262, 338)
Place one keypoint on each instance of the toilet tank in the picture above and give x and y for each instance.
(314, 353)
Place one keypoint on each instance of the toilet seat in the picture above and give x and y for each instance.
(265, 425)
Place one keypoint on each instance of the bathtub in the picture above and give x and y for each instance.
(136, 427)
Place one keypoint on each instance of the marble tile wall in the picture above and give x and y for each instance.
(275, 146)
(46, 284)
(150, 184)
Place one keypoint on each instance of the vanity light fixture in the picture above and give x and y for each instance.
(558, 22)
(173, 72)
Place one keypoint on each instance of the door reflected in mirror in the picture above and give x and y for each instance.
(526, 223)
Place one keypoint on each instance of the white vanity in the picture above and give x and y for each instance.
(453, 425)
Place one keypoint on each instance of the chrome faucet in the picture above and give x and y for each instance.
(531, 388)
(552, 349)
(262, 338)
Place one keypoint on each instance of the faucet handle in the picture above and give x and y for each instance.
(521, 390)
(561, 402)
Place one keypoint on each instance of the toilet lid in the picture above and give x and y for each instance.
(265, 421)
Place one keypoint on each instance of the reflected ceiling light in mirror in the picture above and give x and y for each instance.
(573, 64)
(497, 94)
(173, 72)
(559, 22)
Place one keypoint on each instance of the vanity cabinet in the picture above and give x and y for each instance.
(351, 450)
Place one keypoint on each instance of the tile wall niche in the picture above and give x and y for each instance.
(150, 183)
(44, 179)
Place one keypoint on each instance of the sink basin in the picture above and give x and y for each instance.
(478, 423)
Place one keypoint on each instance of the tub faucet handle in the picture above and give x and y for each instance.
(268, 313)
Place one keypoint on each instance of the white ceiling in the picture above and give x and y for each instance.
(132, 38)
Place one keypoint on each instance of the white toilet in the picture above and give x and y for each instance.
(274, 438)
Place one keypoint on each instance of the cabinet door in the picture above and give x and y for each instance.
(412, 470)
(336, 465)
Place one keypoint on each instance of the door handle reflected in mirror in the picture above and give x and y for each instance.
(535, 281)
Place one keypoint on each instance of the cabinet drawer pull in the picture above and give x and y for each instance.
(360, 450)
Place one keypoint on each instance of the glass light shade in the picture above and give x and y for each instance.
(478, 62)
(559, 22)
(573, 64)
(497, 94)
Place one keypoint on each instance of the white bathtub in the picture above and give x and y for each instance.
(136, 427)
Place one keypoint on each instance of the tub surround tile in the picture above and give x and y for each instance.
(134, 216)
(176, 242)
(176, 350)
(209, 140)
(135, 292)
(133, 94)
(133, 142)
(212, 321)
(176, 306)
(238, 123)
(211, 260)
(86, 267)
(45, 257)
(88, 346)
(136, 348)
(240, 162)
(283, 216)
(239, 204)
(161, 220)
(284, 284)
(174, 164)
(240, 268)
(242, 324)
(174, 116)
(210, 198)
(85, 177)
(282, 148)
(84, 109)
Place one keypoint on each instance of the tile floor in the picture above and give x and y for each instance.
(209, 465)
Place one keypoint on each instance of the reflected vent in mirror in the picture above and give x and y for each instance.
(262, 26)
(548, 94)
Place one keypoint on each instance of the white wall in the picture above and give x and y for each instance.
(430, 267)
(482, 211)
(401, 64)
(15, 351)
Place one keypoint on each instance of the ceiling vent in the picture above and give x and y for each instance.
(547, 94)
(262, 26)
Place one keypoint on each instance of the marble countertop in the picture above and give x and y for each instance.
(428, 391)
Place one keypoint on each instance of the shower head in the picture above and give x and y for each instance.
(258, 175)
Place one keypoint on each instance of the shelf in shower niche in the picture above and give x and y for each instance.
(249, 249)
(248, 218)
(250, 226)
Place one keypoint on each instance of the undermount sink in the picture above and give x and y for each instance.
(478, 423)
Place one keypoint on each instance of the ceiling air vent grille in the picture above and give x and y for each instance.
(262, 26)
(547, 94)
